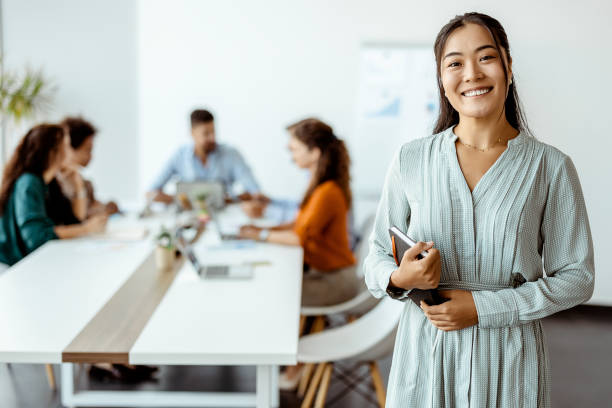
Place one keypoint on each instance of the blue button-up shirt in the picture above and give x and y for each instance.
(224, 164)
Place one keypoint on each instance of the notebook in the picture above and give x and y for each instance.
(400, 244)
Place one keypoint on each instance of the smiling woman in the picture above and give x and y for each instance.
(507, 233)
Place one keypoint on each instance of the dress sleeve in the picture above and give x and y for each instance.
(393, 209)
(35, 227)
(567, 251)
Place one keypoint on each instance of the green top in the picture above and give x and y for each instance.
(24, 224)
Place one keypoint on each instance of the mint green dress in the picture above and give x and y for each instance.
(24, 224)
(526, 219)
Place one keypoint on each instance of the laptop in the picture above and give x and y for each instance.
(213, 271)
(213, 192)
(224, 235)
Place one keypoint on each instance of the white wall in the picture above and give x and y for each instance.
(261, 65)
(88, 49)
(140, 67)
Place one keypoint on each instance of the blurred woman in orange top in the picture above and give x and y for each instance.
(321, 226)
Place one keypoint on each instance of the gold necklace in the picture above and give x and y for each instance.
(499, 140)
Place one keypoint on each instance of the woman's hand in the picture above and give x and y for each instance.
(249, 232)
(253, 208)
(96, 224)
(71, 174)
(111, 208)
(418, 273)
(457, 313)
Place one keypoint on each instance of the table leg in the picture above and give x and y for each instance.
(67, 379)
(274, 391)
(263, 387)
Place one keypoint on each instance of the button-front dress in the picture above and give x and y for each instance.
(524, 222)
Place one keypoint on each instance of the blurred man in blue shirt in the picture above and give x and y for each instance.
(206, 160)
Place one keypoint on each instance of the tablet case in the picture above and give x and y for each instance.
(400, 244)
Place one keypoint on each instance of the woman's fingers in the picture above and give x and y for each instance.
(412, 253)
(441, 309)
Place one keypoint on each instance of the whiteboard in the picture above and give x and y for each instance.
(397, 102)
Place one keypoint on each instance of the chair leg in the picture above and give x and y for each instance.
(302, 325)
(378, 384)
(307, 403)
(306, 374)
(322, 394)
(50, 376)
(317, 326)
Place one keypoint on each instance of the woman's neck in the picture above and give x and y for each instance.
(484, 132)
(49, 174)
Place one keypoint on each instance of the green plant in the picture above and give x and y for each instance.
(22, 96)
(164, 239)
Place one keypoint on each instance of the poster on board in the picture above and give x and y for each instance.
(398, 102)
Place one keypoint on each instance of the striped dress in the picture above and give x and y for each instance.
(526, 218)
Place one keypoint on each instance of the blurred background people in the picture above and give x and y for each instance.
(25, 224)
(206, 160)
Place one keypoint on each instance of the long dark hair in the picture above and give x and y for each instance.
(78, 129)
(334, 162)
(448, 115)
(33, 154)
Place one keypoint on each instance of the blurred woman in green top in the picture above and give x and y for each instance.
(24, 223)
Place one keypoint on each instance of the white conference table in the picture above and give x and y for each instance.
(55, 296)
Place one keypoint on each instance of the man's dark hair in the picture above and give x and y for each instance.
(201, 116)
(78, 129)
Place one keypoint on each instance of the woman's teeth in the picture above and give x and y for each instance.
(476, 92)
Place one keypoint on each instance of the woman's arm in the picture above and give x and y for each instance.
(93, 225)
(73, 186)
(285, 237)
(281, 234)
(568, 261)
(393, 209)
(35, 227)
(284, 227)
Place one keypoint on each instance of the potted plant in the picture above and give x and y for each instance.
(202, 204)
(165, 251)
(22, 96)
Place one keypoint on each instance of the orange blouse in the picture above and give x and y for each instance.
(323, 229)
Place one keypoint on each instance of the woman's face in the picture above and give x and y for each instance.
(472, 73)
(302, 156)
(61, 154)
(82, 154)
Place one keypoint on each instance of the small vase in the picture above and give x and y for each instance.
(164, 258)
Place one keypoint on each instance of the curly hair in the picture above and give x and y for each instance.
(34, 154)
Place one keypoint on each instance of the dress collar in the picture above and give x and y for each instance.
(515, 141)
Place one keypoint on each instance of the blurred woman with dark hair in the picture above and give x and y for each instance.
(71, 198)
(321, 224)
(24, 222)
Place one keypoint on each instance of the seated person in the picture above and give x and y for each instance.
(205, 160)
(69, 187)
(24, 222)
(321, 223)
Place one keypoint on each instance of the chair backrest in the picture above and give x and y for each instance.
(357, 340)
(363, 301)
(362, 247)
